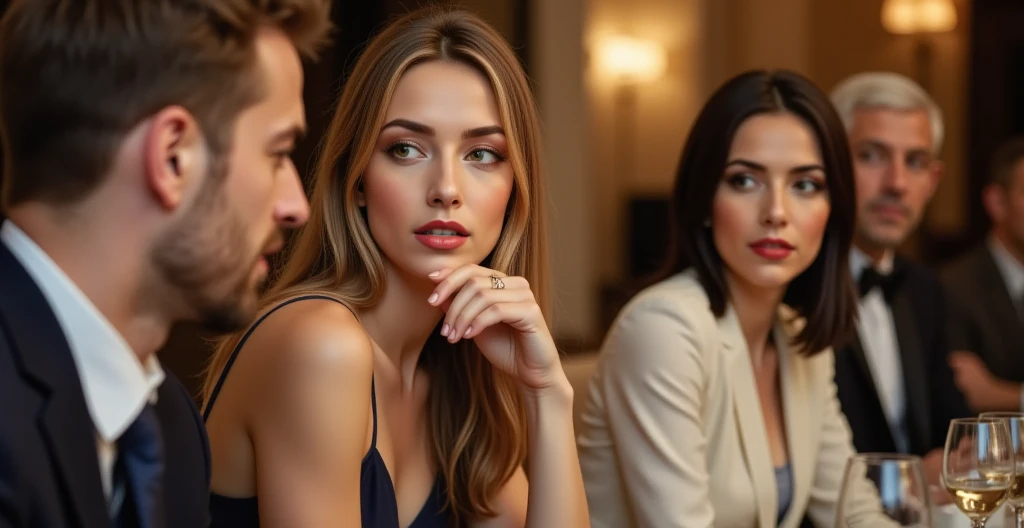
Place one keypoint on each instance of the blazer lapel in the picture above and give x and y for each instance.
(1004, 313)
(42, 351)
(796, 397)
(856, 351)
(749, 420)
(918, 410)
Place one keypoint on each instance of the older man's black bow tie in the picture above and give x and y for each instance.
(887, 283)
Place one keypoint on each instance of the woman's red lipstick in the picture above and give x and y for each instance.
(772, 248)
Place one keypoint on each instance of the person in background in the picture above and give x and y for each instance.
(146, 179)
(986, 290)
(713, 402)
(403, 368)
(895, 383)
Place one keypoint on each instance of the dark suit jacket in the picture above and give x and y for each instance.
(932, 399)
(983, 317)
(49, 471)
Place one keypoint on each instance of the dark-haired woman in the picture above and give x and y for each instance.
(713, 403)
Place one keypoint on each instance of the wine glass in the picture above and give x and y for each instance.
(978, 466)
(1015, 426)
(883, 490)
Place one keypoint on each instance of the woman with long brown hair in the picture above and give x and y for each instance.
(402, 366)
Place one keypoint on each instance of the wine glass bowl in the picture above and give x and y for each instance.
(882, 490)
(1015, 427)
(978, 466)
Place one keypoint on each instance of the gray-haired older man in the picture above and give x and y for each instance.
(894, 383)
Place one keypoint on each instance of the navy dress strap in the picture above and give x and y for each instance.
(373, 409)
(241, 343)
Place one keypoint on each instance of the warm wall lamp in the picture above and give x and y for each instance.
(911, 17)
(920, 19)
(628, 62)
(631, 60)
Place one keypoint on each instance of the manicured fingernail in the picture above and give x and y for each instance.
(445, 329)
(468, 330)
(433, 298)
(452, 337)
(434, 274)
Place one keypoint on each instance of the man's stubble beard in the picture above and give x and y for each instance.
(204, 262)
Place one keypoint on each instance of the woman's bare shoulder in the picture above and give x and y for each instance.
(311, 339)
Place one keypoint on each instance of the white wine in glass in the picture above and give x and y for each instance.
(1015, 426)
(978, 466)
(979, 497)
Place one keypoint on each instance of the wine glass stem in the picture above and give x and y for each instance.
(1018, 513)
(977, 523)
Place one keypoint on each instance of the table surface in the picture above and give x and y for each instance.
(949, 516)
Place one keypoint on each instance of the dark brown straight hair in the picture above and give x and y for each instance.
(824, 292)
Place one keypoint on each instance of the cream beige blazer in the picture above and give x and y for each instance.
(672, 430)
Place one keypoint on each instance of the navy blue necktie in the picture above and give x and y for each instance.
(139, 474)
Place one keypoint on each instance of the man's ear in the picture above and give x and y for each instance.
(935, 173)
(993, 196)
(173, 155)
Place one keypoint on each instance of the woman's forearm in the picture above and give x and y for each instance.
(553, 469)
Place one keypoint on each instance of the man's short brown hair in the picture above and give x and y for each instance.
(77, 75)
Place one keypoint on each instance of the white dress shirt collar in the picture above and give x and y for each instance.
(116, 385)
(860, 260)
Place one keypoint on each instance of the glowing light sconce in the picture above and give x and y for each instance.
(912, 17)
(631, 60)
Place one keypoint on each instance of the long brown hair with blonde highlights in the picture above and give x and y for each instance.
(477, 424)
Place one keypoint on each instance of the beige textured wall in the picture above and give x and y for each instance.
(557, 64)
(748, 34)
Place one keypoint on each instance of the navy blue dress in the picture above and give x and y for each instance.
(378, 505)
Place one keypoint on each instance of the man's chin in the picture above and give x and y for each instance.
(884, 238)
(232, 316)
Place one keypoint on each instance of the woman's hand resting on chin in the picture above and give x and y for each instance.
(500, 314)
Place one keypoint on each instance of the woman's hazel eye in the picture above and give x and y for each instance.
(485, 156)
